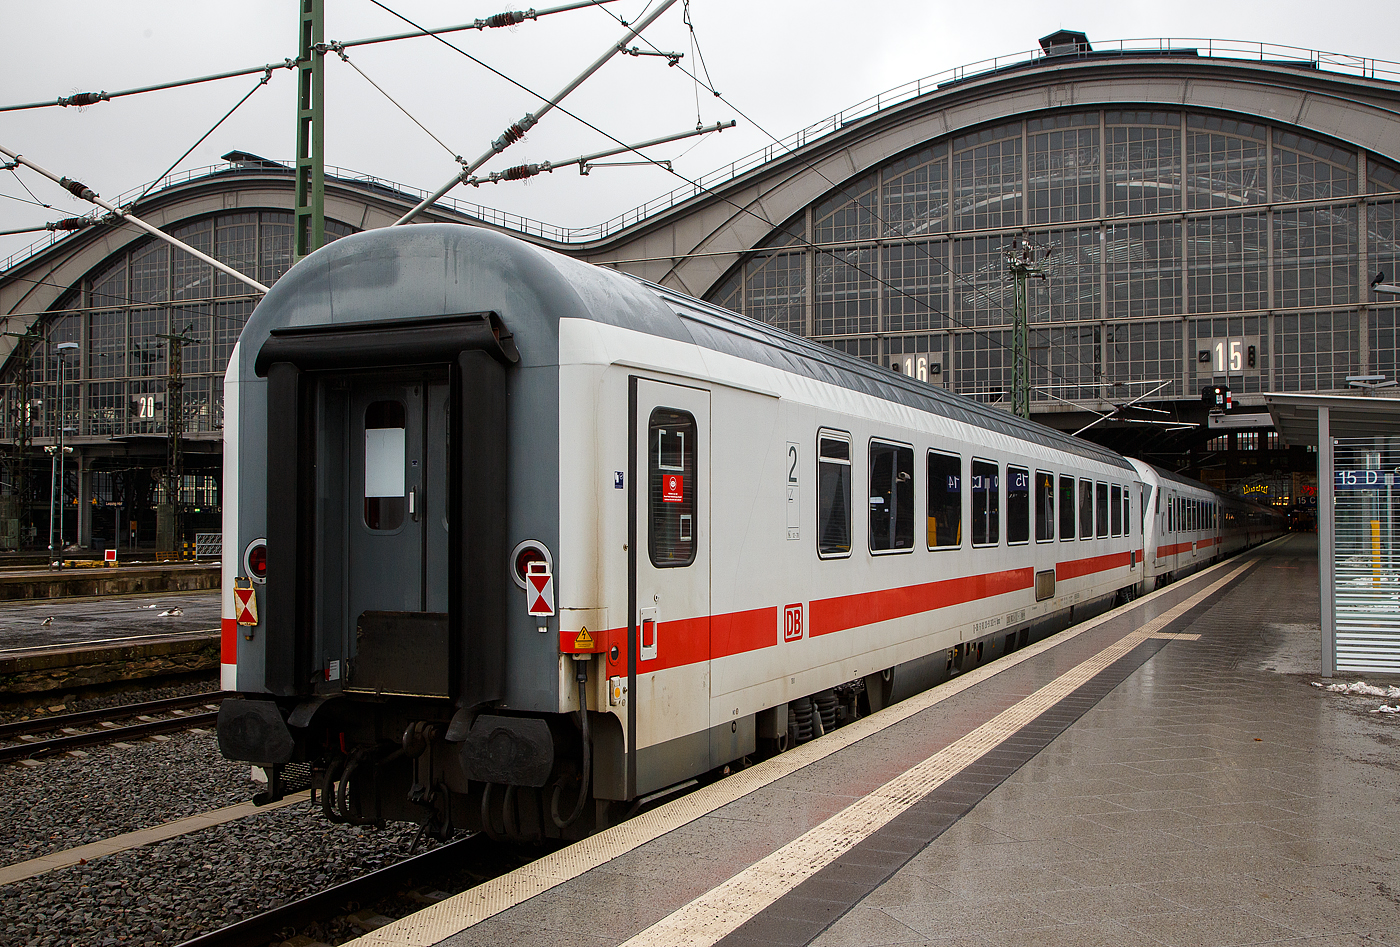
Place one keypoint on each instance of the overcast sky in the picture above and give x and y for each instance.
(785, 64)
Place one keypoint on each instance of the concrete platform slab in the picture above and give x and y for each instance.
(1162, 775)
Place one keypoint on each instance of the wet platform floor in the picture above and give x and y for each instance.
(1164, 775)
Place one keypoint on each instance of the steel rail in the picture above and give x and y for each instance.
(270, 925)
(24, 751)
(36, 725)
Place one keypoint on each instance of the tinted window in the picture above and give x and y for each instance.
(1044, 506)
(1018, 505)
(1101, 509)
(1086, 509)
(1116, 505)
(986, 504)
(386, 455)
(944, 500)
(1066, 507)
(891, 496)
(672, 488)
(833, 495)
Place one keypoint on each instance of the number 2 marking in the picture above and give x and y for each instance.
(792, 468)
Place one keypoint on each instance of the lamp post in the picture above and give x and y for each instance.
(56, 486)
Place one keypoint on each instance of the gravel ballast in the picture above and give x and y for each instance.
(68, 801)
(170, 892)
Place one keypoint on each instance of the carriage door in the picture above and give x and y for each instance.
(396, 536)
(670, 638)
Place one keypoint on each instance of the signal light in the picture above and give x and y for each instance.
(523, 559)
(1252, 355)
(1218, 397)
(527, 552)
(255, 560)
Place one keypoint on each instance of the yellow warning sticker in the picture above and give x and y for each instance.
(584, 639)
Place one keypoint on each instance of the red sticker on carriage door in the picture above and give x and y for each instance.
(672, 488)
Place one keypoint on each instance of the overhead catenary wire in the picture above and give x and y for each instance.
(339, 50)
(83, 99)
(80, 190)
(954, 275)
(875, 277)
(520, 172)
(517, 131)
(266, 78)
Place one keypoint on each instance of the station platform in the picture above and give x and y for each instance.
(1164, 774)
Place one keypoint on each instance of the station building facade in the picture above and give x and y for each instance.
(1203, 217)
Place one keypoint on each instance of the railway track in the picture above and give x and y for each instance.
(27, 734)
(280, 923)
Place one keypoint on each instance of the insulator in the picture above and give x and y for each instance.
(505, 19)
(71, 223)
(77, 189)
(518, 172)
(83, 98)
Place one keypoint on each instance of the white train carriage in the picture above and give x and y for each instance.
(476, 485)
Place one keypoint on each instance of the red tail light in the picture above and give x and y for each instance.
(255, 560)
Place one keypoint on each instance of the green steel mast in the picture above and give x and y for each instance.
(310, 214)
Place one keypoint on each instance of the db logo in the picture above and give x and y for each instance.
(792, 622)
(673, 489)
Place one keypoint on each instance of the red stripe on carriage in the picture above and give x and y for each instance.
(1077, 567)
(866, 608)
(228, 641)
(738, 632)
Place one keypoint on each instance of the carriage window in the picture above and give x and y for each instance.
(1116, 506)
(1086, 509)
(891, 497)
(1044, 506)
(1066, 507)
(385, 460)
(1127, 510)
(944, 501)
(986, 504)
(1101, 509)
(1018, 505)
(672, 488)
(833, 494)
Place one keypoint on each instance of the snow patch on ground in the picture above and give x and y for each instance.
(1362, 689)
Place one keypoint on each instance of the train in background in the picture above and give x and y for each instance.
(521, 541)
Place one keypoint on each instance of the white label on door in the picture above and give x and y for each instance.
(384, 457)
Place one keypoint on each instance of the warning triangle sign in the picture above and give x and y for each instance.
(584, 640)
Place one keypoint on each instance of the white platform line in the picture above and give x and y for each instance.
(708, 918)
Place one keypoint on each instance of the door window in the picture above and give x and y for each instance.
(1086, 509)
(385, 461)
(672, 488)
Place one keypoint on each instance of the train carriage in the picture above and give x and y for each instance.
(523, 540)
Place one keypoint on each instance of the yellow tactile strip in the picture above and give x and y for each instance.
(713, 915)
(120, 843)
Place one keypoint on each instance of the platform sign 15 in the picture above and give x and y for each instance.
(1364, 479)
